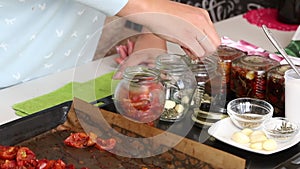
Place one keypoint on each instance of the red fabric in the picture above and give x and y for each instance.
(268, 17)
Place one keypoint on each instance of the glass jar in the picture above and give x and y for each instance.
(275, 88)
(207, 76)
(179, 83)
(208, 99)
(249, 77)
(140, 95)
(226, 55)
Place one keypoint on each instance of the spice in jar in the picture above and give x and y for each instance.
(249, 75)
(275, 88)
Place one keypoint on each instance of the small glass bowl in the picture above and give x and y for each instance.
(249, 112)
(280, 129)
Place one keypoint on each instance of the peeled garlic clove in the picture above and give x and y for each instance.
(179, 108)
(169, 104)
(240, 138)
(257, 138)
(257, 132)
(250, 75)
(257, 146)
(247, 131)
(270, 145)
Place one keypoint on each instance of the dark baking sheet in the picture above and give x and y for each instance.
(27, 127)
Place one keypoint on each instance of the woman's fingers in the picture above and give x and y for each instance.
(130, 46)
(145, 57)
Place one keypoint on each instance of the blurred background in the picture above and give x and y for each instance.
(223, 9)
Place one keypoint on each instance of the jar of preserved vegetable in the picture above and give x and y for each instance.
(226, 55)
(275, 88)
(249, 75)
(179, 83)
(140, 95)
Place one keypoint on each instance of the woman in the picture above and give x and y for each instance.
(39, 37)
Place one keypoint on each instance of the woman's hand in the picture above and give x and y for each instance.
(188, 26)
(143, 52)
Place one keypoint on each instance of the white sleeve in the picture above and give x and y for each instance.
(108, 7)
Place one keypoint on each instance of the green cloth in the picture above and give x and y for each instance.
(293, 48)
(88, 91)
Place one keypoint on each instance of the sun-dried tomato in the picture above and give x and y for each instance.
(79, 140)
(8, 152)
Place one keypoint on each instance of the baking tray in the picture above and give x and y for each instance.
(27, 127)
(38, 132)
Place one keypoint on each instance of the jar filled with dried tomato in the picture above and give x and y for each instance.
(275, 88)
(140, 95)
(249, 75)
(226, 55)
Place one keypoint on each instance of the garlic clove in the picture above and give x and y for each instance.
(169, 104)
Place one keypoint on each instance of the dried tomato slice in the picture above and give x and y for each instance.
(26, 157)
(107, 144)
(8, 152)
(59, 164)
(15, 157)
(42, 164)
(8, 164)
(51, 164)
(79, 140)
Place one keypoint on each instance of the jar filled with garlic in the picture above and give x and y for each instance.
(179, 84)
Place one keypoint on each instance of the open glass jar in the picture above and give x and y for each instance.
(179, 84)
(140, 95)
(209, 102)
(206, 75)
